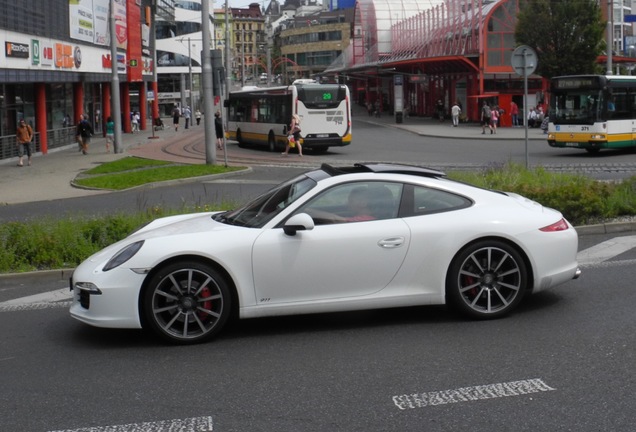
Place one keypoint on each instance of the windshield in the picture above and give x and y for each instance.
(321, 95)
(262, 209)
(577, 107)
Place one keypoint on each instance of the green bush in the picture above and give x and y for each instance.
(581, 199)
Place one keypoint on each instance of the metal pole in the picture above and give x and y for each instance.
(190, 73)
(525, 102)
(206, 73)
(114, 85)
(228, 78)
(270, 75)
(610, 35)
(242, 57)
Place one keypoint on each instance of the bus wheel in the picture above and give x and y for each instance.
(241, 144)
(271, 142)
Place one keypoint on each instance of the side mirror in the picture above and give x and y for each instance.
(298, 222)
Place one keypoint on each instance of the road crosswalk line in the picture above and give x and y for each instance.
(606, 250)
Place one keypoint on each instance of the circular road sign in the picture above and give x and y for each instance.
(524, 60)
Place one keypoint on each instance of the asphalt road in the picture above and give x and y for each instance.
(562, 362)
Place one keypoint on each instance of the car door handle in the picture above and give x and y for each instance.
(391, 243)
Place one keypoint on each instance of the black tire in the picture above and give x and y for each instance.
(271, 142)
(239, 139)
(186, 302)
(486, 280)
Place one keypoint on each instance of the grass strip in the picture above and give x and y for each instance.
(138, 177)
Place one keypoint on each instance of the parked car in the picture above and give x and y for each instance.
(333, 239)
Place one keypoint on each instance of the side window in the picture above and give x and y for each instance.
(355, 202)
(419, 200)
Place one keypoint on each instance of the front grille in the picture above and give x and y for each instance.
(84, 298)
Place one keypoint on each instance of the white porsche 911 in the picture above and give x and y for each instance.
(334, 239)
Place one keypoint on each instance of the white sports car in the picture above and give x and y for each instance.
(334, 239)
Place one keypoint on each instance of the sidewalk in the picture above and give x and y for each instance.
(51, 175)
(427, 126)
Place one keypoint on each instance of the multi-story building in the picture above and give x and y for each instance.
(57, 65)
(308, 44)
(179, 42)
(248, 43)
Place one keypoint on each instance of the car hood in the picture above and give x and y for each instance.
(181, 224)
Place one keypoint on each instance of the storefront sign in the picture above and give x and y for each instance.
(16, 50)
(64, 56)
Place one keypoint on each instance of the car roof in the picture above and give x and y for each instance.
(383, 168)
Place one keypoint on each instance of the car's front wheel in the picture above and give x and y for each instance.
(487, 279)
(186, 302)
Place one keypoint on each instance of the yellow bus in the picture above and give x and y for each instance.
(592, 112)
(261, 116)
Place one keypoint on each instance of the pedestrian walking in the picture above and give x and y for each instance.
(485, 118)
(187, 114)
(514, 113)
(110, 134)
(84, 133)
(176, 114)
(24, 136)
(197, 116)
(218, 130)
(135, 122)
(455, 111)
(293, 140)
(494, 119)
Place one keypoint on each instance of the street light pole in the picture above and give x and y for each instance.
(190, 72)
(208, 97)
(242, 57)
(114, 85)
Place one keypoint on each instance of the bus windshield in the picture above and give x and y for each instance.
(321, 95)
(577, 107)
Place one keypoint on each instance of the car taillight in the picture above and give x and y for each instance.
(561, 225)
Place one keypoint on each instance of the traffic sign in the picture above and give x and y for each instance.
(524, 60)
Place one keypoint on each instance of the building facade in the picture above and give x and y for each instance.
(249, 44)
(56, 65)
(414, 54)
(309, 44)
(179, 41)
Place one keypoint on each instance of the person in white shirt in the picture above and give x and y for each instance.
(455, 111)
(532, 118)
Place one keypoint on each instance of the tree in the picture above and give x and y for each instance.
(566, 34)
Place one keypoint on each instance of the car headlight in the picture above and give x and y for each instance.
(123, 255)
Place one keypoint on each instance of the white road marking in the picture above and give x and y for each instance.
(46, 297)
(195, 424)
(606, 250)
(47, 300)
(474, 393)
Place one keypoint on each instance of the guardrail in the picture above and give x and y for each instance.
(55, 138)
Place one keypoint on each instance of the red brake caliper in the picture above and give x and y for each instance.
(205, 292)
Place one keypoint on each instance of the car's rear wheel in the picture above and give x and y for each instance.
(487, 279)
(187, 302)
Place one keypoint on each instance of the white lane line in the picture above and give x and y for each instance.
(62, 294)
(47, 300)
(474, 393)
(606, 250)
(195, 424)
